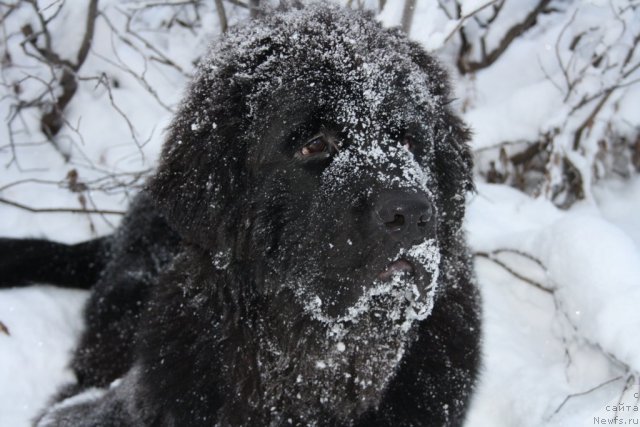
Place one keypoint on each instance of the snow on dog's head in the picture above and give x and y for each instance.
(317, 153)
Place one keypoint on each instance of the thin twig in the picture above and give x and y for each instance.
(582, 393)
(60, 210)
(463, 19)
(492, 257)
(407, 15)
(4, 329)
(222, 16)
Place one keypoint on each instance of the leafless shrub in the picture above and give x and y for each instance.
(594, 64)
(43, 76)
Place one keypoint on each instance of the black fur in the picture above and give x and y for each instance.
(247, 284)
(28, 261)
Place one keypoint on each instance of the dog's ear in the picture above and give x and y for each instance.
(201, 165)
(454, 167)
(454, 160)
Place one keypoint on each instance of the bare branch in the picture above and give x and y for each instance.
(463, 19)
(492, 256)
(152, 4)
(239, 3)
(512, 34)
(583, 393)
(407, 15)
(105, 82)
(588, 122)
(4, 329)
(254, 8)
(87, 40)
(160, 57)
(222, 16)
(59, 210)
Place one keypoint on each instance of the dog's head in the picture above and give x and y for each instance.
(317, 151)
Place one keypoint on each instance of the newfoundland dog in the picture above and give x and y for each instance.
(297, 259)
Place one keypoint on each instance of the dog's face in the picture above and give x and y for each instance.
(346, 208)
(317, 154)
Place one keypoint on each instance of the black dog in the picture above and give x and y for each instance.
(297, 258)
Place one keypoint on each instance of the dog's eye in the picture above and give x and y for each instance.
(319, 147)
(315, 146)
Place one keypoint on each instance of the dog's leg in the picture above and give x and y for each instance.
(142, 248)
(116, 405)
(27, 261)
(112, 314)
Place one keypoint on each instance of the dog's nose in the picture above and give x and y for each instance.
(405, 217)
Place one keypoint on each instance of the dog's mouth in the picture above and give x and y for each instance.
(400, 289)
(400, 266)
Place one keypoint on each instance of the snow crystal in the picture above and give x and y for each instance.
(222, 259)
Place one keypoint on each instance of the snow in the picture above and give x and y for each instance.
(619, 203)
(596, 270)
(399, 307)
(577, 336)
(542, 346)
(44, 324)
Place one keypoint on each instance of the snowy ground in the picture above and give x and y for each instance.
(567, 327)
(541, 347)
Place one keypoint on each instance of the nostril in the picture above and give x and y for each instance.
(398, 221)
(424, 218)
